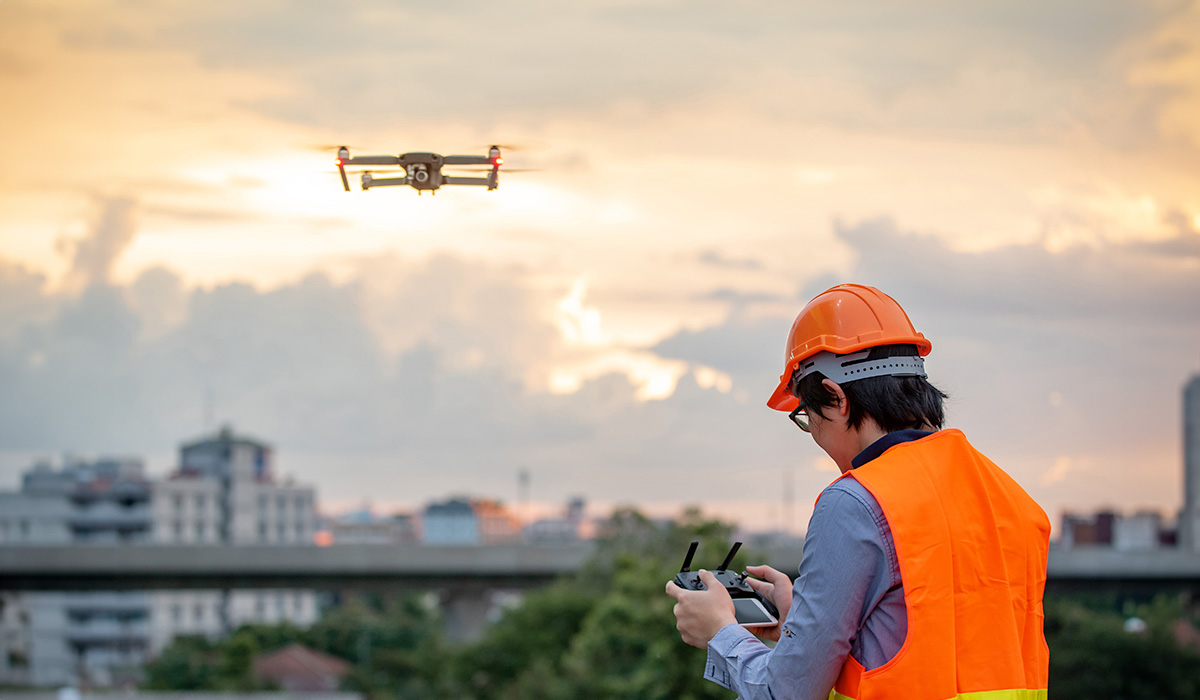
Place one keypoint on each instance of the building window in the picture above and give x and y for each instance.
(300, 502)
(176, 613)
(201, 502)
(262, 532)
(300, 531)
(199, 531)
(281, 502)
(281, 532)
(262, 503)
(178, 528)
(198, 612)
(24, 527)
(260, 606)
(178, 501)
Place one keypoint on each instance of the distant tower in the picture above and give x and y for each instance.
(1189, 517)
(523, 496)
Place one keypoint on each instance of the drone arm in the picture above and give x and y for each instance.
(342, 171)
(481, 181)
(369, 182)
(467, 160)
(373, 160)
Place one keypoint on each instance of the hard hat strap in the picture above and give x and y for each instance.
(855, 366)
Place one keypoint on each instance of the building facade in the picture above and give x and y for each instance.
(365, 527)
(467, 522)
(51, 638)
(223, 493)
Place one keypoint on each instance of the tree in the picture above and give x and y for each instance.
(607, 632)
(1092, 656)
(186, 664)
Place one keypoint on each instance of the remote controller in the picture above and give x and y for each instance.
(750, 607)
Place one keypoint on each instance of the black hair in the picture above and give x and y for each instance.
(894, 403)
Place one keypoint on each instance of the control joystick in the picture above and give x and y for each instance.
(750, 607)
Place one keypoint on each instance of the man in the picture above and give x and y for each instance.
(924, 563)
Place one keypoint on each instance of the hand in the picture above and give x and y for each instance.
(775, 587)
(699, 615)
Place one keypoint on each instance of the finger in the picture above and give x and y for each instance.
(760, 586)
(775, 576)
(709, 580)
(674, 590)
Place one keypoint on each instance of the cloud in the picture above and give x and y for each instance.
(1058, 472)
(434, 374)
(22, 298)
(742, 346)
(717, 259)
(1112, 328)
(109, 234)
(988, 70)
(443, 365)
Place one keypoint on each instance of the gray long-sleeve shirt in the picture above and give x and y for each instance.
(846, 600)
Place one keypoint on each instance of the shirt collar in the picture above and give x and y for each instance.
(885, 443)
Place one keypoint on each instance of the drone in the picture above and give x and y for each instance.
(422, 171)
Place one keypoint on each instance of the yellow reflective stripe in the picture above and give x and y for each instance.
(1020, 694)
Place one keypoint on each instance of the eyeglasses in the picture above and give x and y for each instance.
(800, 416)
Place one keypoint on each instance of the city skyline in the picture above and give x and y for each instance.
(176, 251)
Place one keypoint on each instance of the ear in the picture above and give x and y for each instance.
(843, 406)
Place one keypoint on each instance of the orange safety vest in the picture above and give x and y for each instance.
(972, 548)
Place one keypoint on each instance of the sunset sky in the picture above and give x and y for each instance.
(176, 250)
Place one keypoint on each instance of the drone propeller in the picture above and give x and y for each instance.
(512, 146)
(328, 147)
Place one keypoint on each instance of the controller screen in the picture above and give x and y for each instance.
(751, 612)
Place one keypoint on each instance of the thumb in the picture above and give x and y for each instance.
(709, 580)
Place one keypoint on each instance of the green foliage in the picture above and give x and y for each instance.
(393, 649)
(1092, 656)
(528, 639)
(188, 663)
(608, 632)
(628, 646)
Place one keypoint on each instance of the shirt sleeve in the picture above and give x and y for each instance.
(845, 564)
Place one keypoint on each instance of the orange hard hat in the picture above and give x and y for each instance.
(844, 319)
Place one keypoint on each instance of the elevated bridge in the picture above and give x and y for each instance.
(415, 567)
(161, 567)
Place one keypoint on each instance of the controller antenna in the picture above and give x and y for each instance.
(729, 557)
(687, 561)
